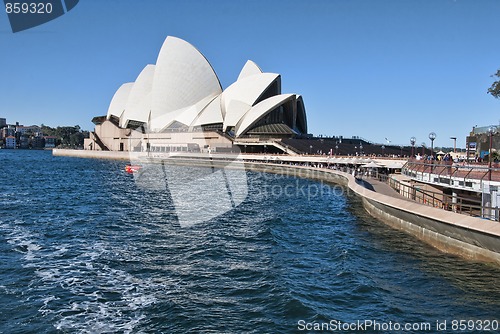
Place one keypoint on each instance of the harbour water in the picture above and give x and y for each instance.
(84, 250)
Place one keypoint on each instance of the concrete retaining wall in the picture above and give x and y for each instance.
(469, 237)
(112, 155)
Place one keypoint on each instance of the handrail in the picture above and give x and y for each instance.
(465, 171)
(457, 204)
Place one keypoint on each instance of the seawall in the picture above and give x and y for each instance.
(111, 155)
(470, 237)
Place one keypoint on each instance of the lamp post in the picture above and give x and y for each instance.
(491, 130)
(413, 140)
(454, 144)
(310, 149)
(360, 149)
(383, 149)
(336, 149)
(432, 136)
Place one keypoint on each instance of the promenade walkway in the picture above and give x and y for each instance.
(381, 188)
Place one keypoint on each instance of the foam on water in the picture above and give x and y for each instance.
(90, 252)
(107, 299)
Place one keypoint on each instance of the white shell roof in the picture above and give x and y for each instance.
(247, 90)
(249, 69)
(119, 100)
(182, 78)
(188, 115)
(260, 110)
(301, 114)
(139, 100)
(183, 87)
(236, 111)
(211, 114)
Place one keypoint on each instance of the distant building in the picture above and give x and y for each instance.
(24, 141)
(10, 142)
(37, 142)
(3, 122)
(478, 141)
(8, 130)
(50, 141)
(33, 129)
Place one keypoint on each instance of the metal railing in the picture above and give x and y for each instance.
(458, 204)
(449, 170)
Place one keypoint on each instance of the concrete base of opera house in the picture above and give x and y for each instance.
(112, 155)
(469, 237)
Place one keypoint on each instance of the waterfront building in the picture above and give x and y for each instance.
(472, 188)
(3, 122)
(478, 141)
(10, 142)
(50, 141)
(37, 142)
(24, 141)
(9, 130)
(178, 104)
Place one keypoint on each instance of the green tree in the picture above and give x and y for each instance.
(495, 87)
(67, 136)
(76, 139)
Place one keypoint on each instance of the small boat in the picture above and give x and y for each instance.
(132, 168)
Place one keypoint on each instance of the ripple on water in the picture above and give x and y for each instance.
(89, 252)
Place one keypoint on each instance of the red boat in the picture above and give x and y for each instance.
(132, 168)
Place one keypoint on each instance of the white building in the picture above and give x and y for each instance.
(10, 142)
(180, 96)
(33, 129)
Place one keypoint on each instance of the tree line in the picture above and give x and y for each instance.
(66, 136)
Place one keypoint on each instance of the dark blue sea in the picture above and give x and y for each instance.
(84, 249)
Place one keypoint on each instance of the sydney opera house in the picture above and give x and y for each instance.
(178, 104)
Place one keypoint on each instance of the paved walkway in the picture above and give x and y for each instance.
(381, 188)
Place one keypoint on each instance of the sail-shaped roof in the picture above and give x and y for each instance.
(249, 69)
(182, 91)
(139, 100)
(119, 100)
(259, 111)
(182, 78)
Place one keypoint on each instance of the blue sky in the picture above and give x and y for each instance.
(373, 69)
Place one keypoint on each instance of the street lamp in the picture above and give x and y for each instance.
(360, 149)
(383, 148)
(432, 136)
(492, 129)
(310, 149)
(336, 149)
(454, 144)
(413, 140)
